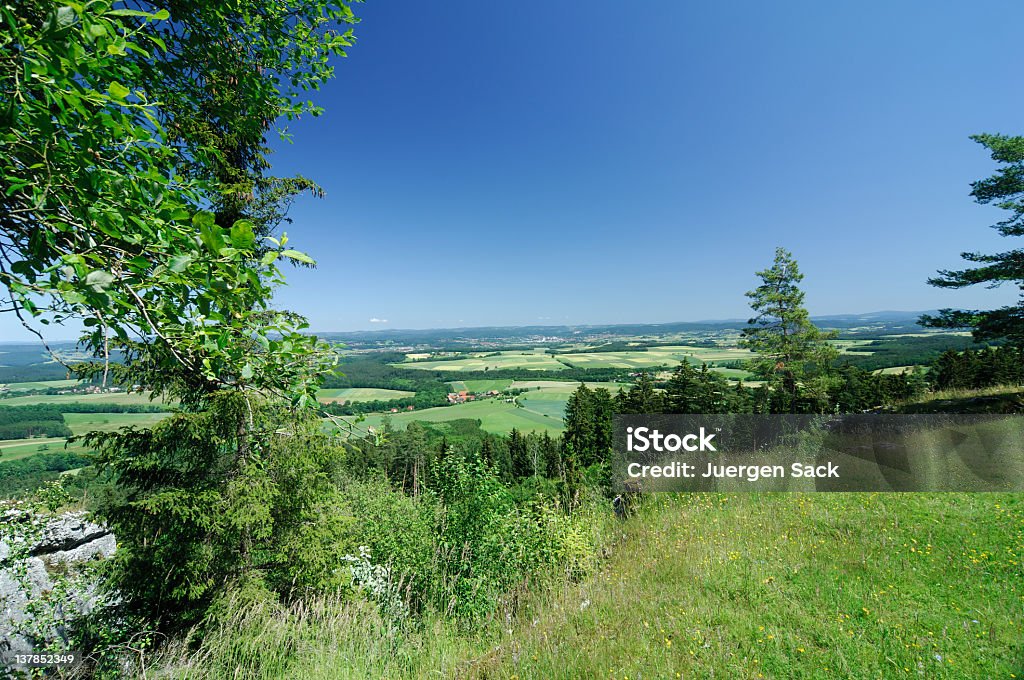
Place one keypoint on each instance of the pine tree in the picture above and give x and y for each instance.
(791, 352)
(1005, 189)
(682, 394)
(643, 397)
(518, 455)
(579, 420)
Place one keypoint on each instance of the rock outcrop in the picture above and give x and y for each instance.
(60, 547)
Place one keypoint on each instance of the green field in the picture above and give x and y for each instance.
(564, 385)
(13, 449)
(79, 423)
(494, 416)
(895, 370)
(855, 347)
(540, 409)
(549, 399)
(656, 356)
(479, 386)
(824, 586)
(121, 398)
(478, 361)
(343, 395)
(40, 385)
(787, 586)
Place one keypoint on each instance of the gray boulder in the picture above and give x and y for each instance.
(61, 547)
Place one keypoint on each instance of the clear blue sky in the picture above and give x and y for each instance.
(596, 162)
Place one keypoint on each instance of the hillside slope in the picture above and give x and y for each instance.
(789, 585)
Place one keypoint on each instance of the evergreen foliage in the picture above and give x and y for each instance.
(1004, 189)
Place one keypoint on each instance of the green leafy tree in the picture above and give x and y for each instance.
(104, 191)
(134, 198)
(1005, 190)
(791, 352)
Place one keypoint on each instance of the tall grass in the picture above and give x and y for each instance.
(776, 585)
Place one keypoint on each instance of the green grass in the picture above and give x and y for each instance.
(790, 585)
(530, 361)
(495, 416)
(564, 385)
(549, 398)
(106, 398)
(13, 449)
(542, 408)
(361, 394)
(478, 386)
(79, 423)
(806, 586)
(895, 370)
(656, 356)
(40, 385)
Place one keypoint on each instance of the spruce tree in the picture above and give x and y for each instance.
(682, 394)
(1005, 190)
(790, 352)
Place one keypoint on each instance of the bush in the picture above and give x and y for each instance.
(398, 530)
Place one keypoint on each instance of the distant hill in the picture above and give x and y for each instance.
(877, 323)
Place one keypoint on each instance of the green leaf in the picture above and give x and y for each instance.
(65, 17)
(269, 258)
(298, 256)
(21, 267)
(209, 233)
(117, 90)
(179, 263)
(247, 372)
(242, 236)
(99, 280)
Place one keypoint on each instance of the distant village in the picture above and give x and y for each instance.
(462, 396)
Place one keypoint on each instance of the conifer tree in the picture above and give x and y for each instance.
(643, 397)
(791, 352)
(1005, 190)
(682, 393)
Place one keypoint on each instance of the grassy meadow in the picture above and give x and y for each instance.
(480, 386)
(347, 394)
(651, 357)
(40, 385)
(707, 586)
(494, 415)
(120, 398)
(79, 423)
(533, 360)
(540, 408)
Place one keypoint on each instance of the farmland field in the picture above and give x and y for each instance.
(13, 449)
(541, 408)
(530, 361)
(563, 385)
(121, 398)
(478, 386)
(40, 385)
(361, 394)
(656, 356)
(896, 370)
(80, 423)
(852, 346)
(494, 415)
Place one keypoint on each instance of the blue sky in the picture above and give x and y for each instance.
(595, 162)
